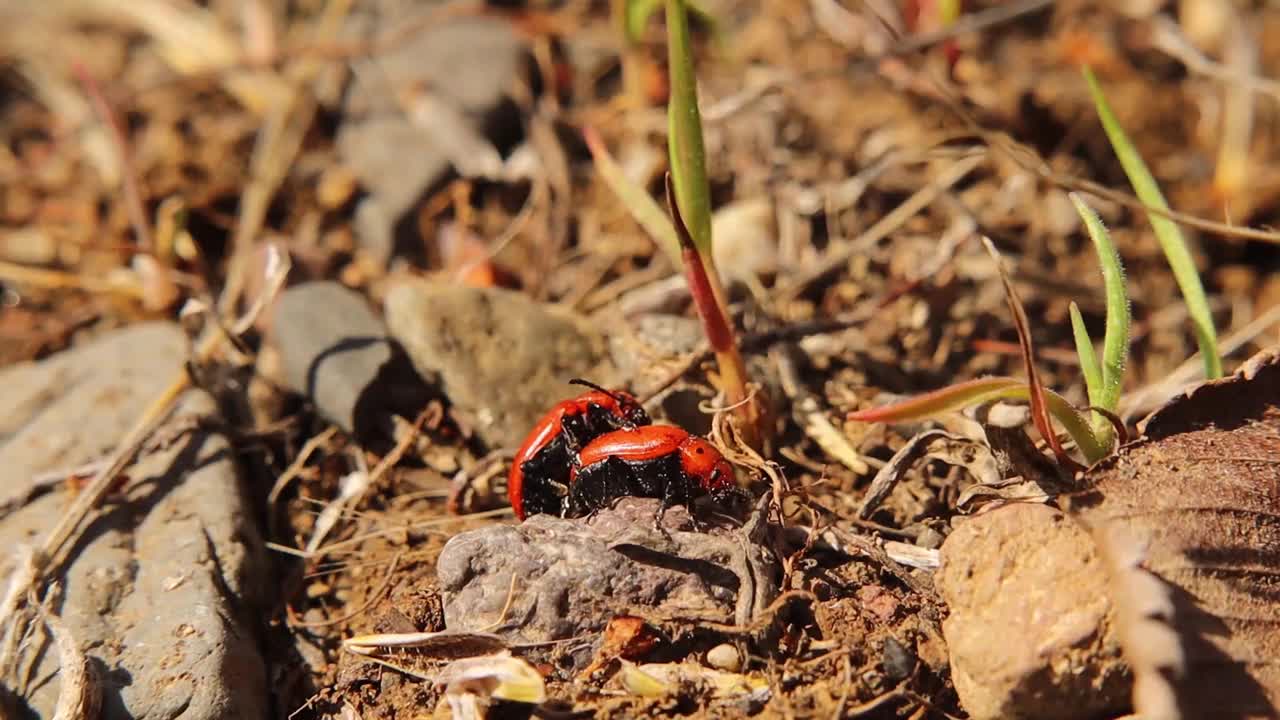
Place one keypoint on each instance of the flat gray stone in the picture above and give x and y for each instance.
(334, 350)
(501, 358)
(165, 587)
(571, 576)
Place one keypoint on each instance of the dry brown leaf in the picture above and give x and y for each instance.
(1200, 494)
(1039, 410)
(626, 637)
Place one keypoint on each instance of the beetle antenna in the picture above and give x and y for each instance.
(613, 394)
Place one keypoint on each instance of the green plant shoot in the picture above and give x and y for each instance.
(1104, 390)
(636, 14)
(1167, 231)
(1084, 350)
(684, 140)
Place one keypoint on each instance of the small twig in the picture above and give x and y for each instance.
(839, 258)
(132, 189)
(807, 411)
(874, 703)
(79, 694)
(968, 23)
(358, 482)
(299, 462)
(1167, 38)
(368, 603)
(58, 279)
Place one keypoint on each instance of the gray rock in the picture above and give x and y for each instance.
(501, 358)
(164, 589)
(654, 336)
(571, 576)
(469, 64)
(335, 351)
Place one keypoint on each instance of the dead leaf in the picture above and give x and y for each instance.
(658, 679)
(626, 637)
(938, 445)
(471, 684)
(1199, 492)
(1039, 410)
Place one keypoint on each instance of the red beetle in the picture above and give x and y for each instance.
(658, 461)
(539, 477)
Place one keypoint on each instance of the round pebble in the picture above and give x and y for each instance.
(724, 657)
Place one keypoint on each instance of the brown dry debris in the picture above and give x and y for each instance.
(420, 168)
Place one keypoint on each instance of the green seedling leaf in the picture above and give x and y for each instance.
(684, 140)
(1039, 413)
(639, 203)
(1115, 343)
(637, 13)
(1088, 360)
(975, 392)
(948, 399)
(1167, 231)
(635, 17)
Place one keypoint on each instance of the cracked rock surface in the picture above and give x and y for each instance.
(164, 588)
(566, 577)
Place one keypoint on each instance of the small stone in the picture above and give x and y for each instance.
(336, 186)
(654, 335)
(501, 358)
(929, 538)
(335, 351)
(746, 240)
(725, 657)
(1035, 574)
(877, 601)
(898, 661)
(469, 65)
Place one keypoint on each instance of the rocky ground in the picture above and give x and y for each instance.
(286, 284)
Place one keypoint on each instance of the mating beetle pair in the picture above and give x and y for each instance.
(600, 446)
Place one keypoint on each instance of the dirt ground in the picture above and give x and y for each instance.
(880, 146)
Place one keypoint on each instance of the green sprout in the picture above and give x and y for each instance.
(636, 14)
(982, 390)
(1104, 381)
(1167, 232)
(688, 240)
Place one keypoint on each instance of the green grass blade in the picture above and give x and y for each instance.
(639, 203)
(636, 14)
(688, 155)
(1167, 231)
(1115, 344)
(1088, 360)
(1093, 382)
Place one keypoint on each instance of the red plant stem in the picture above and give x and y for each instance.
(132, 191)
(715, 323)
